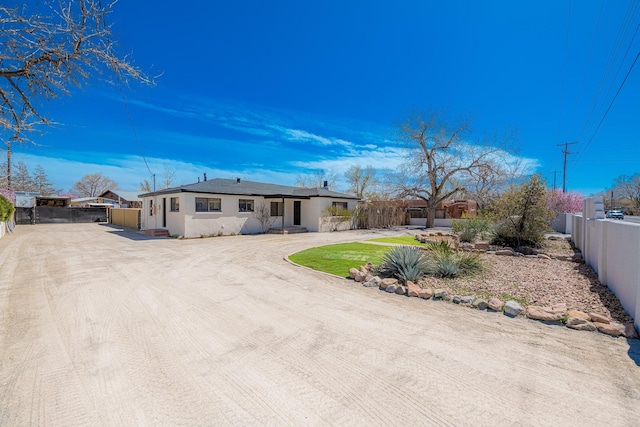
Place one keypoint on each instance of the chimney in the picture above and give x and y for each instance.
(326, 185)
(198, 179)
(205, 176)
(237, 180)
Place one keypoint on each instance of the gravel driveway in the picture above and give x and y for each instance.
(100, 326)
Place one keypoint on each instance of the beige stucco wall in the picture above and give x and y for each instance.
(189, 223)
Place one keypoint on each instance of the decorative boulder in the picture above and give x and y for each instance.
(512, 308)
(413, 290)
(495, 304)
(549, 314)
(425, 293)
(388, 282)
(480, 304)
(580, 324)
(353, 272)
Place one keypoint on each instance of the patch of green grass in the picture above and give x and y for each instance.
(338, 259)
(400, 240)
(506, 297)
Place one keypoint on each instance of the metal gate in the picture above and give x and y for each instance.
(59, 215)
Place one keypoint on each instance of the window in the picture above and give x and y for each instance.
(150, 207)
(245, 205)
(277, 209)
(175, 204)
(204, 204)
(339, 208)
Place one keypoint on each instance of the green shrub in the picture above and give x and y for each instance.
(6, 209)
(404, 262)
(471, 228)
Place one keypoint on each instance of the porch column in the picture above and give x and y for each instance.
(282, 215)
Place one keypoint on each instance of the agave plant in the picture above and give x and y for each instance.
(404, 262)
(445, 267)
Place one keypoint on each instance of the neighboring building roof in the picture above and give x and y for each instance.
(129, 196)
(250, 188)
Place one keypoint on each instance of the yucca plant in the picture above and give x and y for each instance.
(445, 267)
(405, 263)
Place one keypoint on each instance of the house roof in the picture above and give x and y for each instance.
(129, 196)
(250, 188)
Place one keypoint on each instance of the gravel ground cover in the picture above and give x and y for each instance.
(537, 281)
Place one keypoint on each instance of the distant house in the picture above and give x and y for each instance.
(123, 199)
(231, 206)
(93, 202)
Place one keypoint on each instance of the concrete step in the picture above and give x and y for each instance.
(288, 230)
(157, 232)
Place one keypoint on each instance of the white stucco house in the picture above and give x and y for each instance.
(230, 206)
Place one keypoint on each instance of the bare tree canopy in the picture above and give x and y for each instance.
(93, 184)
(628, 187)
(362, 181)
(48, 47)
(317, 179)
(444, 154)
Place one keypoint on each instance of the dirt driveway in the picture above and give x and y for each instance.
(104, 327)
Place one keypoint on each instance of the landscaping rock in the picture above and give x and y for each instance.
(549, 314)
(373, 282)
(360, 277)
(369, 266)
(483, 246)
(578, 314)
(456, 299)
(388, 281)
(467, 299)
(595, 317)
(413, 290)
(401, 290)
(630, 331)
(526, 250)
(391, 288)
(425, 293)
(544, 256)
(440, 294)
(480, 304)
(467, 246)
(505, 252)
(577, 258)
(364, 270)
(353, 272)
(580, 324)
(368, 278)
(495, 304)
(512, 308)
(614, 329)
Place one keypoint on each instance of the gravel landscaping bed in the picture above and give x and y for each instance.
(538, 281)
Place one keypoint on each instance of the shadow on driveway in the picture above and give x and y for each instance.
(130, 233)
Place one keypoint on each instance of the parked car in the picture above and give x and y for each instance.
(615, 214)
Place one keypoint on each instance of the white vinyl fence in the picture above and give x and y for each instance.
(612, 248)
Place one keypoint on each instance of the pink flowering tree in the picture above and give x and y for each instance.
(9, 194)
(560, 202)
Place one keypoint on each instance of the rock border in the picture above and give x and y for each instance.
(558, 313)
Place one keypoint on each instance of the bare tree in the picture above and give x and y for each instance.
(48, 47)
(262, 213)
(628, 187)
(93, 184)
(441, 155)
(317, 178)
(361, 181)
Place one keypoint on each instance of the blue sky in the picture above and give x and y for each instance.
(266, 91)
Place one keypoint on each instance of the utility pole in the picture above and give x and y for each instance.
(554, 180)
(564, 171)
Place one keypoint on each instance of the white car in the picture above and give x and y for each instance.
(615, 214)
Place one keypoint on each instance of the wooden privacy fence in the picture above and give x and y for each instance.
(381, 215)
(127, 217)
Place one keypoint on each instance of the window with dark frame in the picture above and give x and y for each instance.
(175, 204)
(339, 207)
(207, 204)
(245, 205)
(151, 207)
(277, 209)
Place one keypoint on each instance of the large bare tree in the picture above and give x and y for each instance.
(628, 187)
(362, 181)
(47, 47)
(93, 184)
(443, 154)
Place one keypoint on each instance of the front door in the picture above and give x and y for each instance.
(296, 212)
(164, 212)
